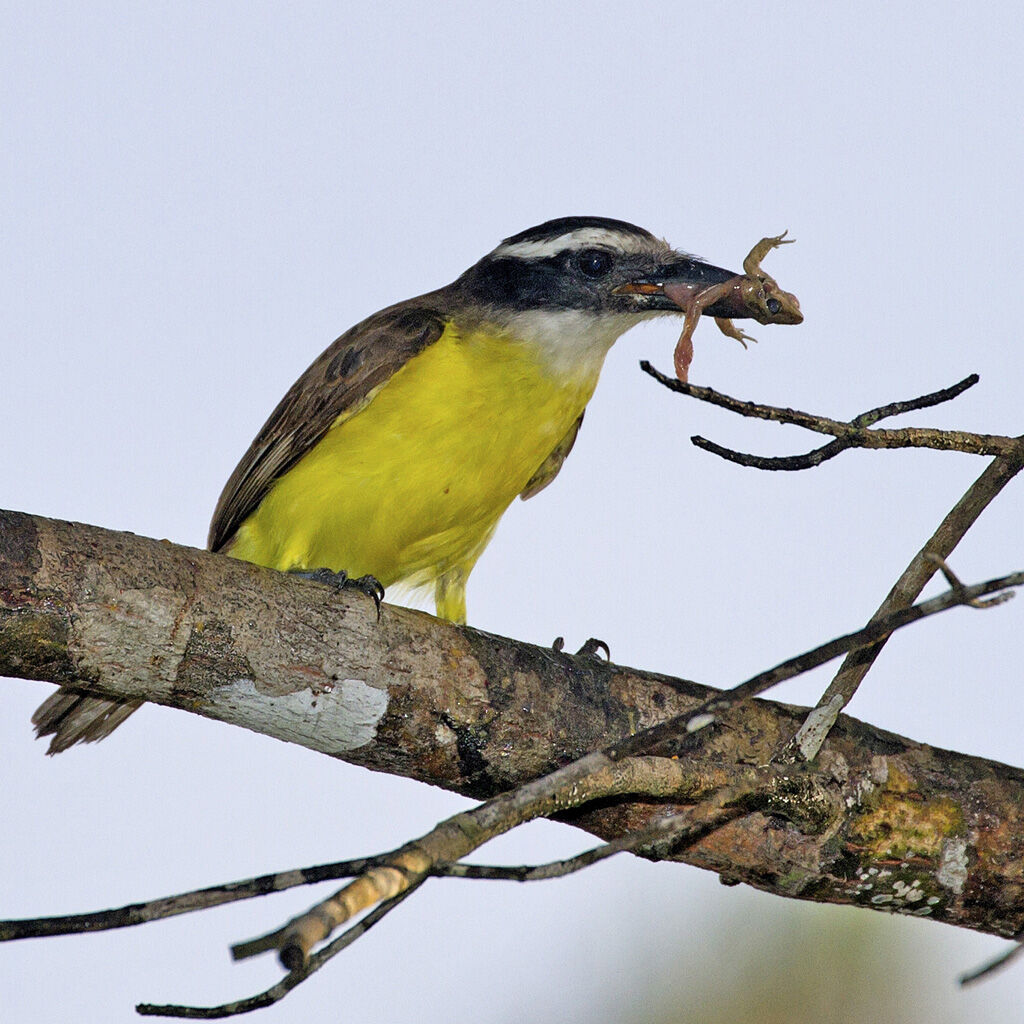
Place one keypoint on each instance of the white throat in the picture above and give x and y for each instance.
(573, 342)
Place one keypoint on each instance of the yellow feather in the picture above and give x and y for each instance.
(410, 487)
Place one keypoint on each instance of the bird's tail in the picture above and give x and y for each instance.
(72, 717)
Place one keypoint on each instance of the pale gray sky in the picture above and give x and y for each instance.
(197, 198)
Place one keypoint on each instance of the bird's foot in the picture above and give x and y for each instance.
(591, 649)
(368, 585)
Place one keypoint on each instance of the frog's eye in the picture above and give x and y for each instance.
(773, 306)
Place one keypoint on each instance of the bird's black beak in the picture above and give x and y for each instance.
(679, 276)
(677, 282)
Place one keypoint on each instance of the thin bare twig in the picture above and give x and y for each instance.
(852, 434)
(208, 898)
(182, 903)
(277, 992)
(709, 711)
(676, 831)
(686, 827)
(213, 896)
(905, 591)
(995, 964)
(591, 777)
(956, 583)
(810, 421)
(908, 587)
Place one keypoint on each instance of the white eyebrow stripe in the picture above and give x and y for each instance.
(578, 239)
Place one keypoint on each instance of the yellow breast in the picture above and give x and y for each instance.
(412, 485)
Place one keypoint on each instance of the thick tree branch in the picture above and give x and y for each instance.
(127, 617)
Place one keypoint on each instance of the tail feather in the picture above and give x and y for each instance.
(72, 717)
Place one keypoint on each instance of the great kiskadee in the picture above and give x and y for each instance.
(396, 453)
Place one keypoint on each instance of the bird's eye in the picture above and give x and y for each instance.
(594, 263)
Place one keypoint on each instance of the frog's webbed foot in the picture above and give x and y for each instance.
(730, 330)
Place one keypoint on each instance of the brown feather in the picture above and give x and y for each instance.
(548, 469)
(341, 378)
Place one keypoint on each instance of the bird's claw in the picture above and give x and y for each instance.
(368, 585)
(590, 649)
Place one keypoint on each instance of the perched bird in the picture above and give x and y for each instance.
(397, 452)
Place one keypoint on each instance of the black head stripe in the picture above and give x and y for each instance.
(511, 283)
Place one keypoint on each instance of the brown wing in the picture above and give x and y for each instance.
(548, 469)
(359, 361)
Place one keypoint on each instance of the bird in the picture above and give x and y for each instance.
(393, 457)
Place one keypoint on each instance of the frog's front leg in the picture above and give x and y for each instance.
(752, 264)
(766, 301)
